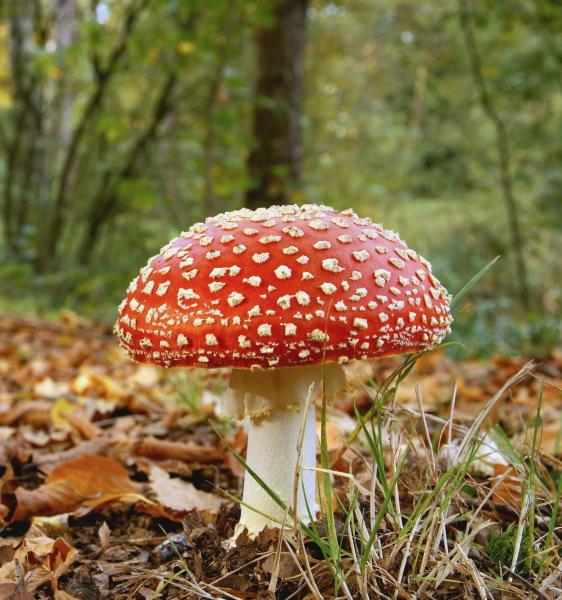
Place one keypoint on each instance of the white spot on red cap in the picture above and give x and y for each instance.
(235, 298)
(293, 231)
(317, 335)
(328, 288)
(218, 272)
(190, 274)
(254, 280)
(163, 288)
(332, 265)
(255, 311)
(290, 329)
(318, 225)
(284, 301)
(283, 272)
(270, 239)
(302, 298)
(244, 342)
(322, 245)
(211, 339)
(187, 294)
(361, 255)
(260, 257)
(360, 323)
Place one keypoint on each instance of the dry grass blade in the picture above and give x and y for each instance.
(477, 424)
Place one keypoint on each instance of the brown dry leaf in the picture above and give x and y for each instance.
(551, 437)
(39, 559)
(238, 444)
(48, 462)
(83, 426)
(8, 548)
(29, 411)
(62, 595)
(78, 486)
(162, 450)
(286, 566)
(180, 496)
(508, 490)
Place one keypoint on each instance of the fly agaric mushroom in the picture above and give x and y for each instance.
(284, 295)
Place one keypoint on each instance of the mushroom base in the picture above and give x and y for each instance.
(273, 455)
(281, 441)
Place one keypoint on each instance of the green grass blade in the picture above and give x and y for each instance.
(472, 282)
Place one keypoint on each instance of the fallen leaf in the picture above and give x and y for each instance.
(284, 565)
(60, 410)
(77, 486)
(48, 462)
(29, 411)
(62, 595)
(507, 486)
(90, 382)
(161, 450)
(36, 437)
(238, 443)
(84, 427)
(39, 559)
(146, 376)
(47, 388)
(180, 496)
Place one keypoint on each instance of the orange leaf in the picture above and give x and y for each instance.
(79, 486)
(508, 490)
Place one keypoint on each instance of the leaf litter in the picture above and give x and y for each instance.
(115, 484)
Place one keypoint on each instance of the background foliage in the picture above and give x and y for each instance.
(124, 121)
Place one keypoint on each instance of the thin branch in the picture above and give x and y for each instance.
(103, 76)
(105, 203)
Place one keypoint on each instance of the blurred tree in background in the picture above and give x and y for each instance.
(124, 121)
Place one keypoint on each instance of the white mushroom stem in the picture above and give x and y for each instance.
(281, 441)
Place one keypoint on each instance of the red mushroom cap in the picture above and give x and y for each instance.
(282, 286)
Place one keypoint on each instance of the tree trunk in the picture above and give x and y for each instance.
(503, 150)
(274, 164)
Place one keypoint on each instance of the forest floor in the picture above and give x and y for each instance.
(115, 482)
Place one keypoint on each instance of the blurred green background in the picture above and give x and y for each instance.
(122, 122)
